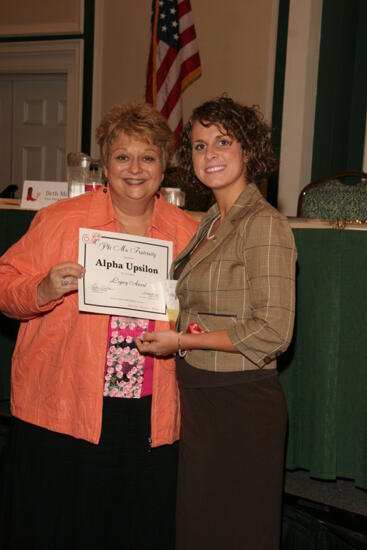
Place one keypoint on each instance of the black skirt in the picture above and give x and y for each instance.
(231, 455)
(61, 493)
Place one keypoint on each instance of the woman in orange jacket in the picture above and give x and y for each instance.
(92, 458)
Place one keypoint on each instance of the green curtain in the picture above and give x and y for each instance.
(324, 373)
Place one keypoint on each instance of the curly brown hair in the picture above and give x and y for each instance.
(139, 120)
(245, 124)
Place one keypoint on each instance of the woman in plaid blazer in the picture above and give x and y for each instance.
(236, 287)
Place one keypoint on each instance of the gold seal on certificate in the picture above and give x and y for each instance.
(125, 274)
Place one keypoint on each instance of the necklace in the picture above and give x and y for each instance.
(208, 233)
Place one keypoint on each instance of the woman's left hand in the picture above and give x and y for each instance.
(164, 342)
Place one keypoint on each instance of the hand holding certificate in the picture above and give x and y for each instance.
(125, 274)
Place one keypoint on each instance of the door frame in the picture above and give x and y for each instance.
(52, 56)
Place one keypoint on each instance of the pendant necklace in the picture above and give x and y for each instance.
(208, 233)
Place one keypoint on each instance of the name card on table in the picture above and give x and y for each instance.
(38, 194)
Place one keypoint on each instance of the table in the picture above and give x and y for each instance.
(324, 373)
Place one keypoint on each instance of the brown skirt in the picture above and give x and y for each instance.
(230, 460)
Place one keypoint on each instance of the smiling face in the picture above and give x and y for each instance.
(218, 160)
(134, 170)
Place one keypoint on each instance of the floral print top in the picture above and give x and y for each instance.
(127, 374)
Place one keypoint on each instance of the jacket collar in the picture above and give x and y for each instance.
(162, 218)
(102, 213)
(244, 202)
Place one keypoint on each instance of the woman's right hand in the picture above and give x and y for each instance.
(61, 279)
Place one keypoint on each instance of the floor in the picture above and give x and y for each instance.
(337, 502)
(320, 515)
(339, 494)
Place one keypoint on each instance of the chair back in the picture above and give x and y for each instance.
(331, 198)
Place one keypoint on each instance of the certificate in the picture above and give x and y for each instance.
(125, 274)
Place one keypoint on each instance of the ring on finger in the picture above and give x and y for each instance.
(64, 282)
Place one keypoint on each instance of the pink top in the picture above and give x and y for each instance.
(127, 373)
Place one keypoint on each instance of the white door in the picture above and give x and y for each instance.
(38, 128)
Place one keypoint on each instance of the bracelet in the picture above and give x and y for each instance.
(181, 352)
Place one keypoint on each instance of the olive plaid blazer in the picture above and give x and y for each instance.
(243, 281)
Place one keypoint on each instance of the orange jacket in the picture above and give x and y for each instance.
(59, 358)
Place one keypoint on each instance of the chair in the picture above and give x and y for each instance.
(328, 198)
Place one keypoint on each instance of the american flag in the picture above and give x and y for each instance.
(174, 60)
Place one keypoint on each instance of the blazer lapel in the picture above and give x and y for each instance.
(239, 210)
(199, 235)
(210, 245)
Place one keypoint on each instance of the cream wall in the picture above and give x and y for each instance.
(24, 12)
(125, 43)
(237, 40)
(237, 43)
(25, 17)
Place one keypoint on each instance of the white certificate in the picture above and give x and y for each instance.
(125, 274)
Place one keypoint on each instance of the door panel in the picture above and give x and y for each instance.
(33, 163)
(39, 128)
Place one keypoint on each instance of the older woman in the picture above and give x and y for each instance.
(92, 455)
(236, 292)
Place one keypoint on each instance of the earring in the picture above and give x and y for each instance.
(105, 186)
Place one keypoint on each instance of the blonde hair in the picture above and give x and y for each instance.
(135, 119)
